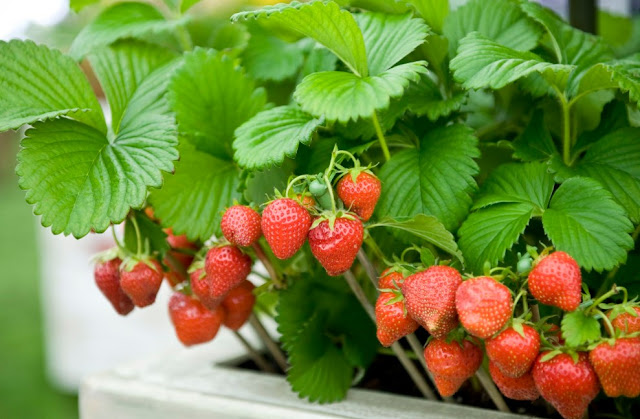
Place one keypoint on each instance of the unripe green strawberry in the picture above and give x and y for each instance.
(107, 277)
(142, 282)
(360, 195)
(336, 248)
(238, 305)
(387, 278)
(513, 353)
(451, 363)
(285, 225)
(241, 225)
(521, 388)
(556, 281)
(392, 322)
(484, 306)
(627, 322)
(226, 267)
(430, 297)
(568, 386)
(618, 367)
(193, 322)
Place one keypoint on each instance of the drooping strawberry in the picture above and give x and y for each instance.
(107, 277)
(392, 321)
(430, 297)
(627, 322)
(226, 267)
(241, 225)
(520, 388)
(238, 305)
(142, 282)
(618, 366)
(484, 306)
(336, 246)
(388, 277)
(201, 287)
(451, 363)
(360, 192)
(556, 281)
(513, 353)
(285, 225)
(193, 322)
(569, 386)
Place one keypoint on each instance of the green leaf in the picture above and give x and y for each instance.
(389, 38)
(341, 96)
(122, 20)
(79, 180)
(38, 83)
(77, 5)
(270, 136)
(121, 68)
(425, 99)
(187, 4)
(482, 63)
(535, 142)
(433, 12)
(260, 186)
(212, 97)
(584, 221)
(192, 200)
(334, 28)
(579, 329)
(434, 179)
(319, 59)
(501, 21)
(152, 235)
(618, 74)
(269, 58)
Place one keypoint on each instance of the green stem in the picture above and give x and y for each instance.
(600, 299)
(273, 274)
(383, 141)
(607, 323)
(184, 38)
(566, 129)
(115, 237)
(138, 235)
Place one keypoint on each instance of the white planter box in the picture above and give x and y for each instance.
(189, 385)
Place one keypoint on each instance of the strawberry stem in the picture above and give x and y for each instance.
(594, 306)
(610, 330)
(268, 265)
(273, 347)
(138, 235)
(255, 355)
(380, 134)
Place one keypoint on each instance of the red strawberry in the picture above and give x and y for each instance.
(193, 322)
(618, 367)
(142, 283)
(387, 279)
(239, 305)
(180, 242)
(336, 248)
(226, 267)
(556, 281)
(241, 225)
(451, 364)
(391, 321)
(306, 201)
(484, 306)
(285, 224)
(513, 353)
(568, 386)
(628, 323)
(361, 194)
(521, 388)
(201, 287)
(431, 298)
(107, 277)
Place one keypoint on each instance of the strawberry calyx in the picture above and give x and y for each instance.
(107, 255)
(331, 217)
(130, 262)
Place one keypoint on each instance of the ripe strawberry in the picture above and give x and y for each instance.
(336, 248)
(513, 353)
(306, 201)
(568, 386)
(451, 364)
(391, 321)
(181, 242)
(193, 322)
(556, 281)
(142, 282)
(431, 298)
(239, 305)
(521, 388)
(107, 277)
(226, 267)
(618, 367)
(484, 306)
(387, 278)
(241, 225)
(361, 194)
(627, 323)
(201, 287)
(285, 224)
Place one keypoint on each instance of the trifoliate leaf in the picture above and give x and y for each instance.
(269, 58)
(618, 74)
(433, 12)
(152, 236)
(434, 179)
(341, 96)
(584, 221)
(212, 97)
(389, 38)
(79, 180)
(535, 142)
(334, 28)
(38, 83)
(270, 136)
(579, 329)
(192, 200)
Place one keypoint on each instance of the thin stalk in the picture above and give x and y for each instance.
(138, 235)
(267, 264)
(255, 355)
(372, 273)
(491, 389)
(535, 313)
(607, 323)
(416, 347)
(566, 129)
(271, 345)
(380, 134)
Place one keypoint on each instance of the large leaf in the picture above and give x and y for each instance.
(389, 38)
(535, 142)
(584, 221)
(618, 74)
(122, 20)
(192, 200)
(334, 28)
(341, 96)
(79, 180)
(435, 179)
(433, 12)
(212, 97)
(269, 58)
(270, 136)
(38, 83)
(425, 99)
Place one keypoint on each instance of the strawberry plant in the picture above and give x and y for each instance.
(487, 158)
